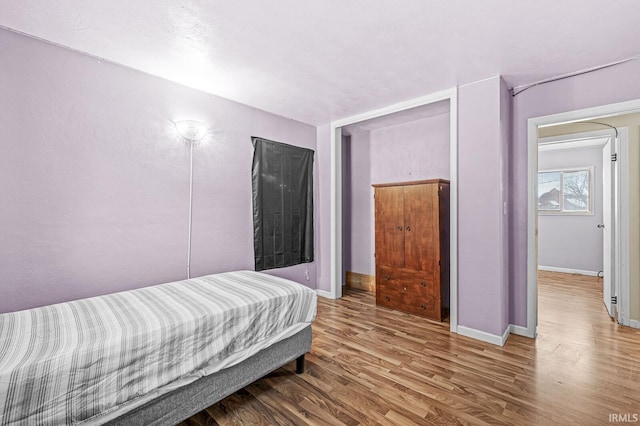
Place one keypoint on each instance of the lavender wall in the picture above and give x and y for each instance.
(346, 203)
(572, 242)
(606, 86)
(357, 240)
(411, 151)
(506, 130)
(481, 222)
(94, 181)
(323, 220)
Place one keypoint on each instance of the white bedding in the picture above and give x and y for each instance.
(91, 360)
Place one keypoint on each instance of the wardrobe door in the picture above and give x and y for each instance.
(389, 211)
(421, 227)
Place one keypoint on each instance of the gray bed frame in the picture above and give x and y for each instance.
(182, 403)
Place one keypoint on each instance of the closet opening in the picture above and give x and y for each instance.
(413, 143)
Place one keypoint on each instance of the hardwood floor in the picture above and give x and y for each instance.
(372, 365)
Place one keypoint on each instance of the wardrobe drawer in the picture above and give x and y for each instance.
(409, 291)
(405, 280)
(404, 301)
(414, 288)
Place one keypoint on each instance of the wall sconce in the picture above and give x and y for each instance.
(192, 131)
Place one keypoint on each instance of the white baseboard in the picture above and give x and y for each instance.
(325, 294)
(505, 335)
(568, 270)
(519, 330)
(494, 339)
(634, 323)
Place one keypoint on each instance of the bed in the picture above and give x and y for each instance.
(155, 355)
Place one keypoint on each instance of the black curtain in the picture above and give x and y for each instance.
(282, 182)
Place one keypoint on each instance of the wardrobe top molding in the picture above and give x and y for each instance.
(413, 182)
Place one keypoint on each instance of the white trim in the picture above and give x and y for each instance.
(494, 339)
(325, 294)
(335, 257)
(479, 81)
(453, 215)
(400, 106)
(532, 229)
(518, 330)
(583, 137)
(634, 323)
(609, 220)
(568, 270)
(602, 111)
(579, 136)
(505, 335)
(532, 188)
(564, 144)
(622, 228)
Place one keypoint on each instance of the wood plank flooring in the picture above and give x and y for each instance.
(372, 365)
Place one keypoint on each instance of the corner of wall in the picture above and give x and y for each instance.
(483, 175)
(323, 221)
(494, 339)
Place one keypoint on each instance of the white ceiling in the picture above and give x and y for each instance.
(321, 60)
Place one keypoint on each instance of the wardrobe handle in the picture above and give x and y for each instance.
(423, 306)
(387, 277)
(399, 228)
(423, 284)
(408, 228)
(387, 298)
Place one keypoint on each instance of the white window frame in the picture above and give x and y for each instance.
(563, 212)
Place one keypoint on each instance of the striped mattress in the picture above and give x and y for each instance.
(91, 360)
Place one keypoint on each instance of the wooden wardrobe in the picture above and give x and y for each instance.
(412, 247)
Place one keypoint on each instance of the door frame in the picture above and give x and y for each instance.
(336, 189)
(622, 264)
(596, 139)
(621, 230)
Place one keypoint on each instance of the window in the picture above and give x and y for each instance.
(567, 191)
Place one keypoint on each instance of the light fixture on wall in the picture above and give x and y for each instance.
(192, 131)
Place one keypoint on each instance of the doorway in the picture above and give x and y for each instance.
(615, 113)
(576, 205)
